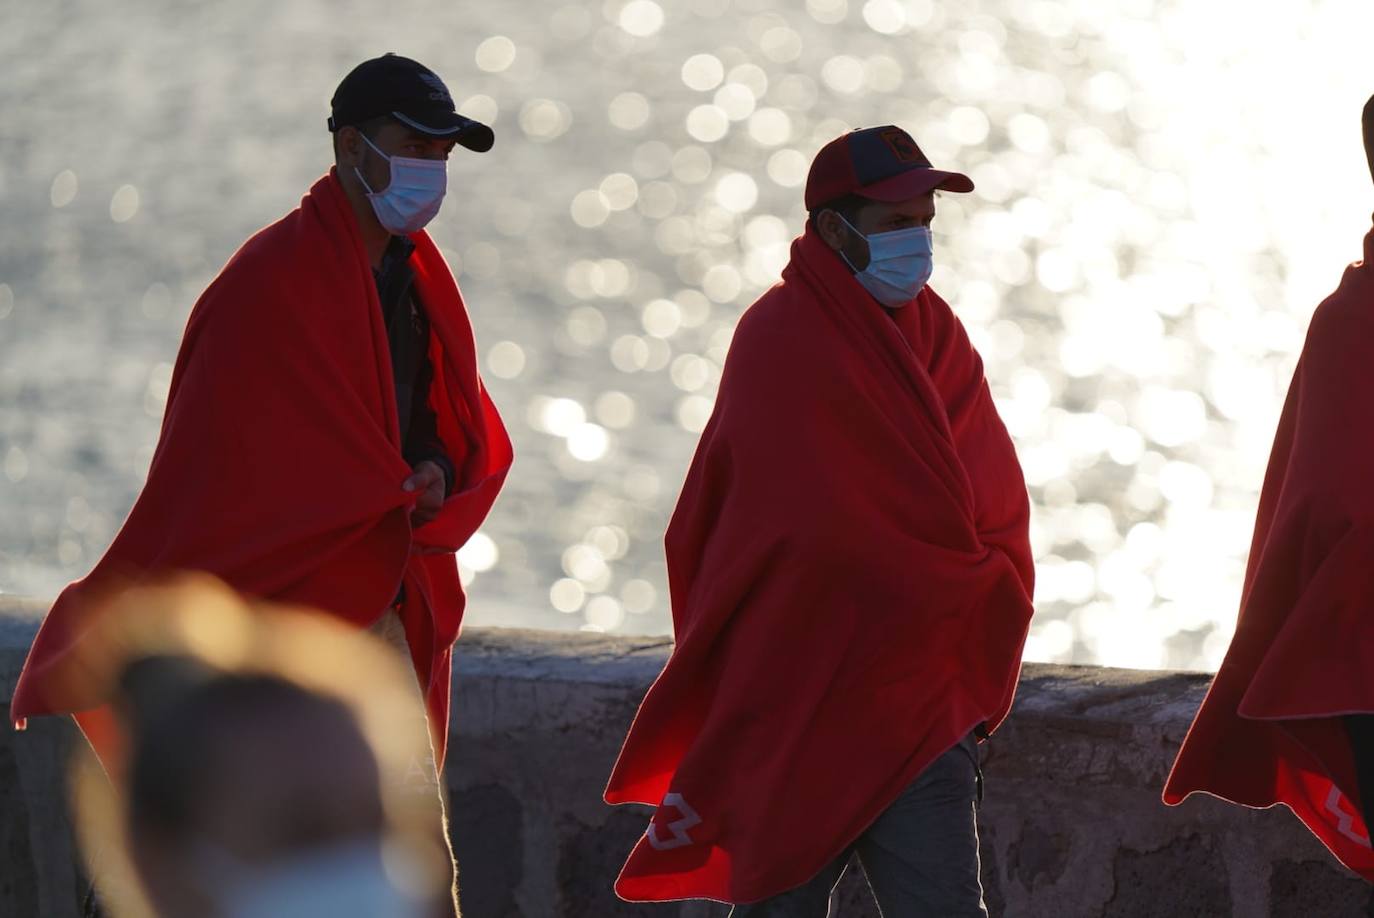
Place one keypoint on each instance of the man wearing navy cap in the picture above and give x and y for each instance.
(851, 580)
(328, 441)
(394, 126)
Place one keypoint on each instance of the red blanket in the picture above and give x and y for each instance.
(850, 577)
(279, 465)
(1303, 652)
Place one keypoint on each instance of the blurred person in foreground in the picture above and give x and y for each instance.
(851, 580)
(1289, 717)
(265, 768)
(327, 439)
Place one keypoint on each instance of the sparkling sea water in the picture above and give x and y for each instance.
(1165, 191)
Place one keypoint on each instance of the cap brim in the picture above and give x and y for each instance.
(914, 183)
(474, 135)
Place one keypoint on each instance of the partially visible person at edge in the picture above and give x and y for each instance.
(1289, 717)
(327, 439)
(269, 772)
(850, 577)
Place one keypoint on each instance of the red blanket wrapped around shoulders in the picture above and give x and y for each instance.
(279, 466)
(1270, 729)
(851, 578)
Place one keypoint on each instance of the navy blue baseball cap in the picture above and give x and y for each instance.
(879, 163)
(409, 92)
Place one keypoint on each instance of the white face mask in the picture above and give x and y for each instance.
(347, 881)
(414, 195)
(899, 264)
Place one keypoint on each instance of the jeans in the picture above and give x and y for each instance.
(920, 855)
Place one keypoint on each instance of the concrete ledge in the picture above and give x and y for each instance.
(1072, 823)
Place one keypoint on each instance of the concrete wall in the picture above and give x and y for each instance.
(1072, 823)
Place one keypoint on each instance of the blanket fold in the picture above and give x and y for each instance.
(1270, 730)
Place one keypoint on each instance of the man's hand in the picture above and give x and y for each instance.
(429, 481)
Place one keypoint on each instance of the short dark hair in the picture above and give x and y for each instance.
(368, 128)
(182, 713)
(846, 205)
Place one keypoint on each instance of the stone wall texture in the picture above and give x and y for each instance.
(1072, 823)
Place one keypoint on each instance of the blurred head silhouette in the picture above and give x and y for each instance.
(263, 767)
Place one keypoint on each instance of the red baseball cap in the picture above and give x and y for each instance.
(881, 163)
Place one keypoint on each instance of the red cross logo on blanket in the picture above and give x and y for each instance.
(676, 828)
(1345, 819)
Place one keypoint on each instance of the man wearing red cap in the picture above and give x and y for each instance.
(327, 441)
(851, 580)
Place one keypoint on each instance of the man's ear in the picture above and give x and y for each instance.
(348, 146)
(832, 230)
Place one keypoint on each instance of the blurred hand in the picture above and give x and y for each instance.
(429, 481)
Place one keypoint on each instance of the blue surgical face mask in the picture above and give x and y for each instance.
(413, 197)
(900, 263)
(348, 881)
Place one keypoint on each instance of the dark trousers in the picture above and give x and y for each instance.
(920, 855)
(1360, 727)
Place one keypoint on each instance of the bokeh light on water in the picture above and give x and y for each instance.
(1165, 191)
